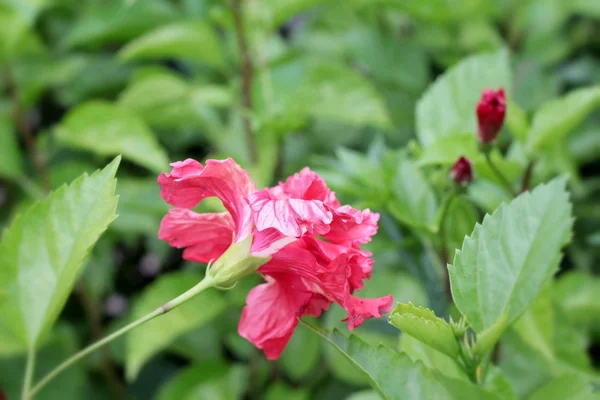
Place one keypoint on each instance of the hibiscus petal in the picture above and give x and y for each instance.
(292, 217)
(205, 236)
(306, 185)
(271, 314)
(189, 183)
(361, 309)
(352, 227)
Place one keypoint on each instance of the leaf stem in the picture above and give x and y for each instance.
(165, 308)
(499, 174)
(527, 176)
(247, 72)
(28, 378)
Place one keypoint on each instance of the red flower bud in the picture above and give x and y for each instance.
(490, 114)
(462, 172)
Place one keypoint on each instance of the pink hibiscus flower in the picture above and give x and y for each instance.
(298, 236)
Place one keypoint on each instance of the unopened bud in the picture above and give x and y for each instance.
(462, 172)
(491, 110)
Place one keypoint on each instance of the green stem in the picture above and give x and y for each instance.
(28, 378)
(499, 174)
(165, 308)
(444, 243)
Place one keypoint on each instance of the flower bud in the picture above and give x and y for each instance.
(236, 263)
(462, 172)
(490, 114)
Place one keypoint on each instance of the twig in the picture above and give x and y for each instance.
(24, 129)
(247, 72)
(527, 177)
(499, 175)
(94, 321)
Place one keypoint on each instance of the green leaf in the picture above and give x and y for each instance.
(577, 295)
(516, 120)
(572, 387)
(42, 252)
(424, 325)
(107, 130)
(117, 20)
(69, 385)
(279, 391)
(188, 40)
(157, 334)
(414, 201)
(507, 259)
(446, 150)
(10, 155)
(448, 106)
(431, 358)
(395, 376)
(140, 207)
(555, 119)
(301, 355)
(206, 380)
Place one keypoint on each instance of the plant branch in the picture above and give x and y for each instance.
(247, 74)
(94, 321)
(24, 129)
(28, 378)
(165, 308)
(444, 242)
(527, 177)
(499, 175)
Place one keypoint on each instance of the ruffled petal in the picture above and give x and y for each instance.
(271, 313)
(360, 309)
(292, 217)
(352, 227)
(204, 236)
(305, 185)
(189, 183)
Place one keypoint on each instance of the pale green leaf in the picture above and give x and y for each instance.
(396, 376)
(106, 129)
(424, 325)
(11, 164)
(557, 118)
(506, 261)
(159, 333)
(446, 150)
(42, 252)
(213, 380)
(279, 391)
(572, 387)
(140, 207)
(187, 40)
(448, 106)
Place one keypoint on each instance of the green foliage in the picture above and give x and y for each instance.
(379, 98)
(422, 324)
(559, 117)
(142, 344)
(10, 154)
(190, 40)
(44, 249)
(507, 259)
(106, 129)
(448, 107)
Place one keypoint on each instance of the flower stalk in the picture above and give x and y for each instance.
(165, 308)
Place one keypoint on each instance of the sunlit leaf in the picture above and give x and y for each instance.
(42, 252)
(507, 259)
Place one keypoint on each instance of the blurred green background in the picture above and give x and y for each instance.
(340, 86)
